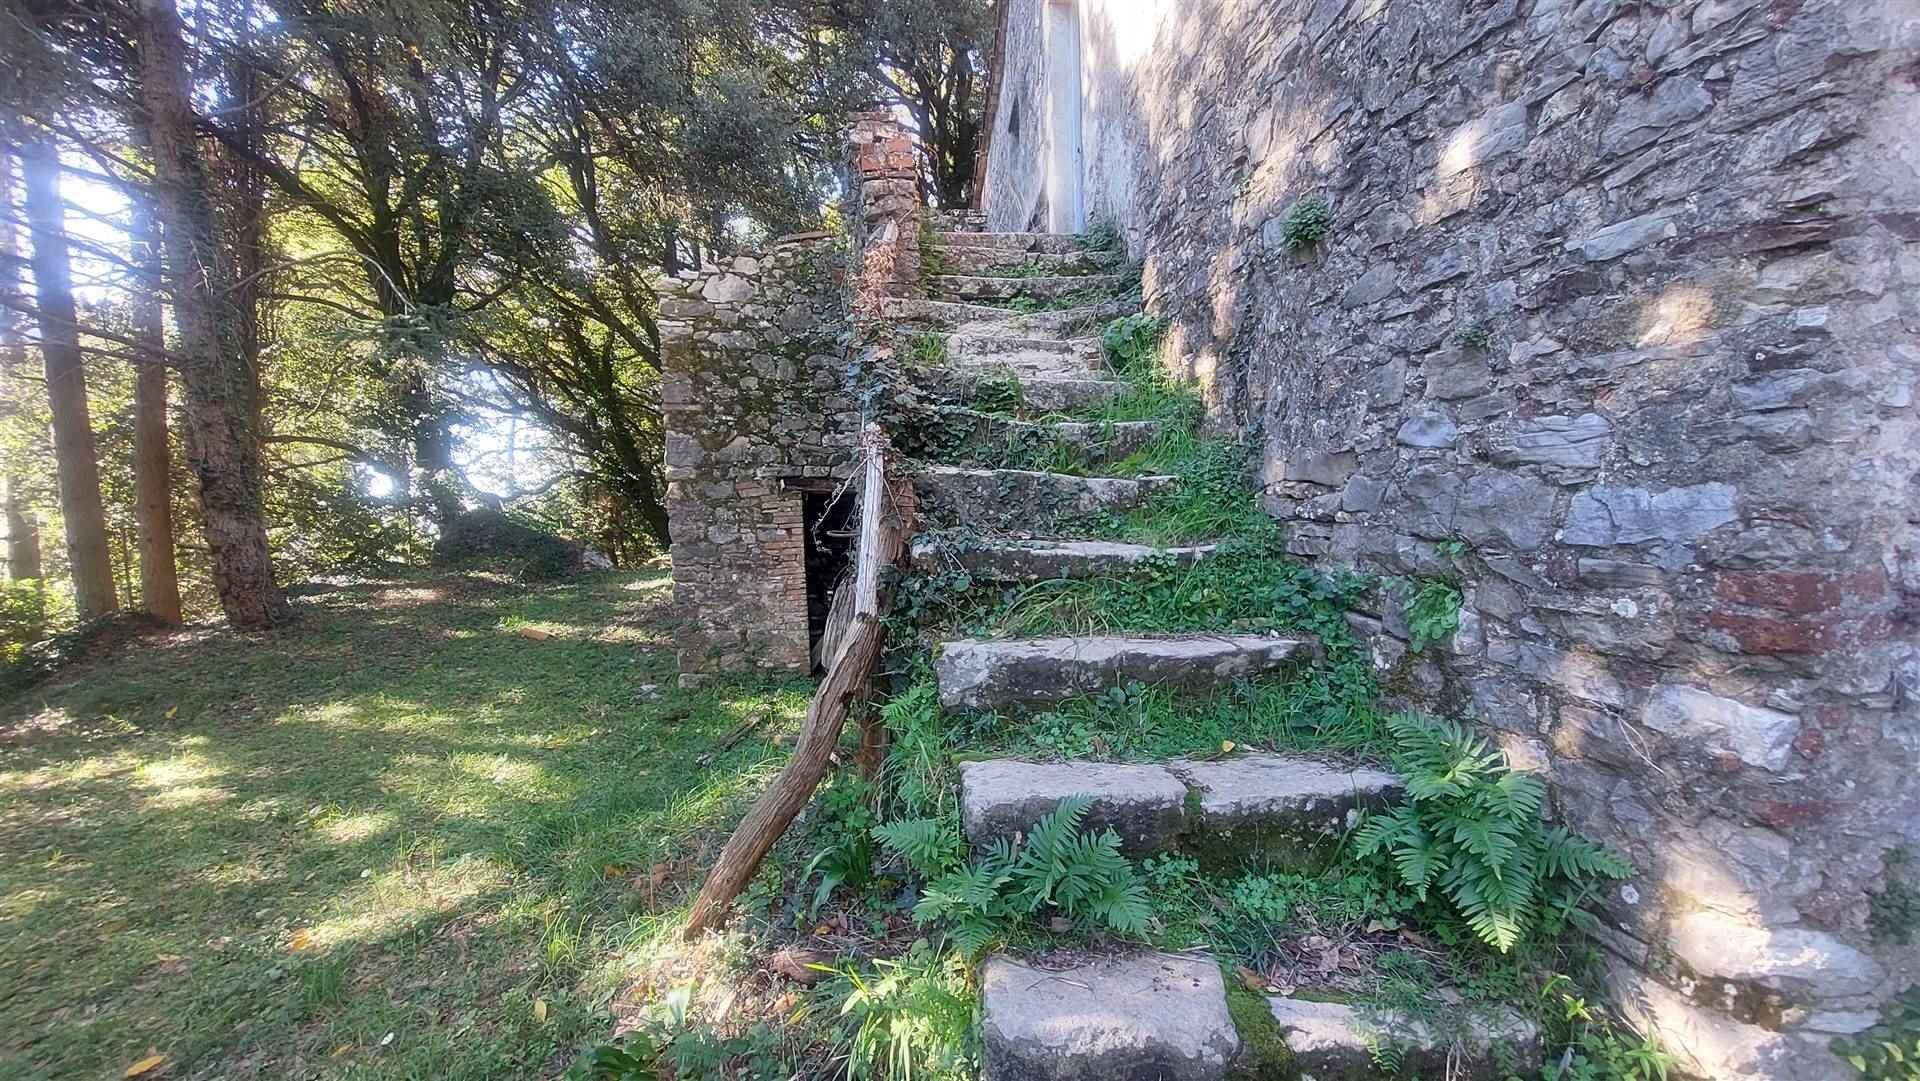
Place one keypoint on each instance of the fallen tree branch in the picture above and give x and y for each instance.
(885, 515)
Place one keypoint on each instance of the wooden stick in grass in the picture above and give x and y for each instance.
(884, 526)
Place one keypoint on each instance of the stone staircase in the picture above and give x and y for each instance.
(1135, 1014)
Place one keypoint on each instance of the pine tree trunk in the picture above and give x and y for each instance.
(73, 448)
(23, 531)
(152, 490)
(221, 419)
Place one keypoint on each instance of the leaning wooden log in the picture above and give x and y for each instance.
(884, 528)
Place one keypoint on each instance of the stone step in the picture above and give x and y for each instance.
(991, 440)
(1040, 391)
(1281, 808)
(985, 319)
(1038, 364)
(1332, 1039)
(1133, 1017)
(1026, 500)
(1028, 672)
(1029, 561)
(986, 347)
(1052, 243)
(977, 287)
(996, 262)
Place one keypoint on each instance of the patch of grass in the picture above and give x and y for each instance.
(927, 349)
(401, 814)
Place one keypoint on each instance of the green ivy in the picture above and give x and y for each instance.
(1890, 1050)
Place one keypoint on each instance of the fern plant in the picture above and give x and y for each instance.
(1471, 829)
(1057, 866)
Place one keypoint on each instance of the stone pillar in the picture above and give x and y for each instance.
(885, 211)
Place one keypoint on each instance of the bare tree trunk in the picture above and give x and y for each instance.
(152, 490)
(221, 417)
(23, 531)
(73, 447)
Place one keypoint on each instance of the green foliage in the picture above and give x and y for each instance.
(1055, 867)
(917, 771)
(1893, 914)
(1306, 222)
(927, 349)
(999, 394)
(1432, 607)
(1132, 341)
(1890, 1050)
(1102, 236)
(667, 1039)
(506, 542)
(912, 1016)
(843, 838)
(1211, 501)
(1471, 827)
(25, 615)
(1475, 335)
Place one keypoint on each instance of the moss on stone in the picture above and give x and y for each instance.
(1264, 1054)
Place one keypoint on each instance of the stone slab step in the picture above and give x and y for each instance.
(987, 346)
(979, 673)
(1279, 807)
(990, 439)
(1334, 1040)
(1134, 1017)
(994, 262)
(1031, 366)
(1056, 243)
(1023, 561)
(1041, 392)
(1025, 500)
(981, 287)
(1078, 321)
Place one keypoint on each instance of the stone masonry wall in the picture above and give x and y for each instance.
(1625, 297)
(768, 382)
(755, 397)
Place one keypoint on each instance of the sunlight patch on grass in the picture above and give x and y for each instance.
(405, 897)
(344, 829)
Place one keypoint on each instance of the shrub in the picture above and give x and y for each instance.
(1307, 221)
(910, 1017)
(1082, 875)
(491, 538)
(1471, 826)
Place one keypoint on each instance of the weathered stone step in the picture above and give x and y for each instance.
(996, 262)
(1060, 323)
(1026, 672)
(1334, 1040)
(976, 287)
(1277, 807)
(992, 440)
(1021, 561)
(1026, 500)
(1134, 1017)
(1055, 243)
(988, 346)
(1040, 391)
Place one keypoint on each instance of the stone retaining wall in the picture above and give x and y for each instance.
(1619, 301)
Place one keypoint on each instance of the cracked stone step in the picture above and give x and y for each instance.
(1135, 1017)
(981, 287)
(1333, 1040)
(1025, 500)
(1043, 392)
(1019, 561)
(988, 261)
(987, 438)
(1026, 672)
(1276, 807)
(1054, 243)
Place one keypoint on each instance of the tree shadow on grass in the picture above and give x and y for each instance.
(204, 831)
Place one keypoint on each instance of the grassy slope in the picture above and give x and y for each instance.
(261, 856)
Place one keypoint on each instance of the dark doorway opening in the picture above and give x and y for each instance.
(831, 537)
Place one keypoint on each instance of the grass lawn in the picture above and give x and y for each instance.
(424, 831)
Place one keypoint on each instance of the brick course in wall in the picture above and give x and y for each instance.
(1625, 297)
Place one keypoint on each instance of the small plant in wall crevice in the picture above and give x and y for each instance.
(1306, 222)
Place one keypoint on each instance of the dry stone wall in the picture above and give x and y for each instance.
(1615, 320)
(757, 404)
